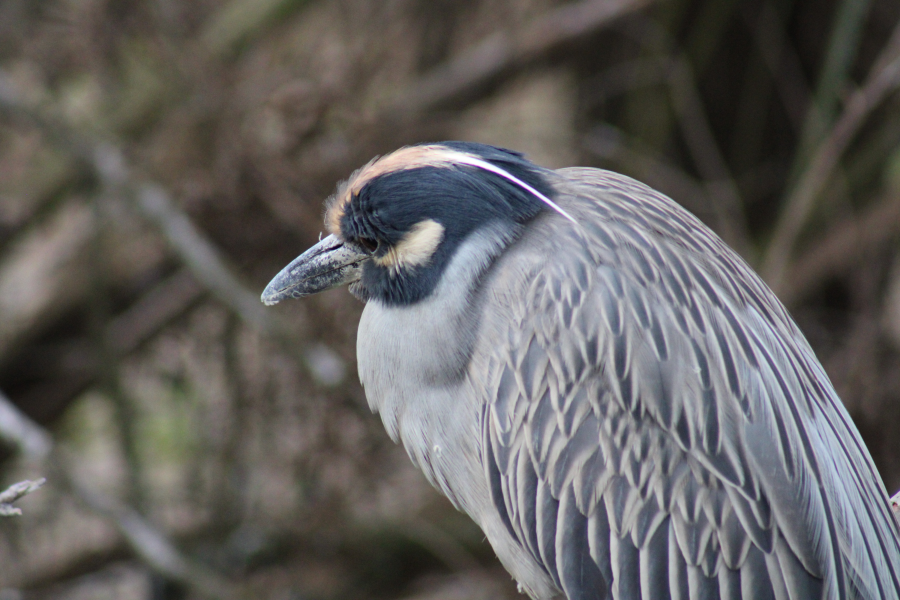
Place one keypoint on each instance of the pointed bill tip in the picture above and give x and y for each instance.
(328, 264)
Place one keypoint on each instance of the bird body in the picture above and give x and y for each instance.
(611, 393)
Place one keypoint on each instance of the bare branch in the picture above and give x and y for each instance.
(237, 20)
(626, 76)
(203, 258)
(152, 311)
(22, 433)
(883, 80)
(197, 252)
(849, 19)
(609, 143)
(775, 69)
(145, 540)
(672, 68)
(506, 49)
(783, 64)
(14, 492)
(724, 201)
(150, 544)
(704, 149)
(840, 248)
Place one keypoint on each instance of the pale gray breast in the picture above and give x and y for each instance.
(413, 363)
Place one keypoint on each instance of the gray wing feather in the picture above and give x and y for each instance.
(656, 426)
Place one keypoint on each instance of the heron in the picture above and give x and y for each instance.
(609, 391)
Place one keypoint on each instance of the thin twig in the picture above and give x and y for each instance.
(152, 201)
(839, 249)
(198, 253)
(14, 492)
(108, 361)
(849, 20)
(203, 258)
(609, 143)
(884, 78)
(150, 544)
(66, 373)
(624, 77)
(20, 432)
(158, 306)
(705, 153)
(507, 49)
(696, 129)
(782, 63)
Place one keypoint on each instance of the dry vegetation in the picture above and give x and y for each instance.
(160, 160)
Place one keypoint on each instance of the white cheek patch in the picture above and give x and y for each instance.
(415, 249)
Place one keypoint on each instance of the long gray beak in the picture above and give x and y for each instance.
(326, 265)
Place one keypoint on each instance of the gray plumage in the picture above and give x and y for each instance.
(628, 412)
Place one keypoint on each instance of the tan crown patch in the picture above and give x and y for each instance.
(415, 249)
(411, 157)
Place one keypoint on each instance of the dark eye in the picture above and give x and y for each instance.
(368, 243)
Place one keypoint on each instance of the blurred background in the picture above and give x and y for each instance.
(161, 160)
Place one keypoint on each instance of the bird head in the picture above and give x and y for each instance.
(396, 223)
